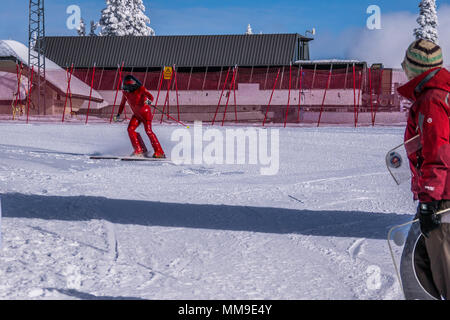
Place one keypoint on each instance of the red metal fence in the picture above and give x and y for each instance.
(280, 93)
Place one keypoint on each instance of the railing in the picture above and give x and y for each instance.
(288, 95)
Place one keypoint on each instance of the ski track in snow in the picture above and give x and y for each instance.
(76, 228)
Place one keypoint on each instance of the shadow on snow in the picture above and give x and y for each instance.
(214, 217)
(87, 296)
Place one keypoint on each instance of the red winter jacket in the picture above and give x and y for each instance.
(429, 117)
(136, 100)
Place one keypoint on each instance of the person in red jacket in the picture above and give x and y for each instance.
(429, 90)
(139, 99)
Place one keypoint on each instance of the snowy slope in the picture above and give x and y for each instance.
(75, 228)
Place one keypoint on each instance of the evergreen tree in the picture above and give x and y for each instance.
(125, 18)
(139, 22)
(428, 21)
(115, 18)
(94, 26)
(249, 30)
(81, 29)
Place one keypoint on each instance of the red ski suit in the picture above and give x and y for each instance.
(429, 117)
(142, 113)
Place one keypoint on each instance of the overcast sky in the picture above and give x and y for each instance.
(341, 25)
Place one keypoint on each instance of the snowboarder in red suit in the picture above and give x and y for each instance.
(139, 100)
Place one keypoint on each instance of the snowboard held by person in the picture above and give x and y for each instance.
(139, 100)
(429, 90)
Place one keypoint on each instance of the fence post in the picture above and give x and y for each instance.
(145, 77)
(68, 92)
(354, 93)
(29, 93)
(265, 81)
(117, 91)
(282, 77)
(359, 95)
(220, 78)
(300, 94)
(70, 97)
(314, 77)
(87, 75)
(101, 79)
(176, 92)
(234, 94)
(325, 95)
(204, 79)
(19, 83)
(379, 93)
(271, 96)
(159, 91)
(346, 77)
(167, 100)
(370, 96)
(190, 76)
(220, 98)
(289, 95)
(229, 94)
(90, 94)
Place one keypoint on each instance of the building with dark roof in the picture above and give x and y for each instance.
(273, 69)
(182, 51)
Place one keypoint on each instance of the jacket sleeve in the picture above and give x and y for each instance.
(412, 152)
(414, 180)
(122, 105)
(435, 135)
(149, 95)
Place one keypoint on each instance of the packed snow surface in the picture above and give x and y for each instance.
(75, 228)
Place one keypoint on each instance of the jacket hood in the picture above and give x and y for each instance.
(437, 78)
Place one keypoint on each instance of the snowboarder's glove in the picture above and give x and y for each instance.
(428, 218)
(117, 118)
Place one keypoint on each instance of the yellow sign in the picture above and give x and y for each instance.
(168, 72)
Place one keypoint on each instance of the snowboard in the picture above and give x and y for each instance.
(406, 243)
(397, 161)
(143, 159)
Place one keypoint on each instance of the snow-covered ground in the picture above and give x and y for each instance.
(75, 228)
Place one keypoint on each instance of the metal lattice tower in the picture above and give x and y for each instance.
(36, 48)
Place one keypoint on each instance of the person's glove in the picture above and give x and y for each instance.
(117, 118)
(149, 102)
(428, 218)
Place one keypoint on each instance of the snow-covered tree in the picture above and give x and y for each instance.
(249, 30)
(428, 21)
(81, 29)
(94, 26)
(139, 22)
(125, 18)
(114, 19)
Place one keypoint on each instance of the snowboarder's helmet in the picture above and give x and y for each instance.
(131, 84)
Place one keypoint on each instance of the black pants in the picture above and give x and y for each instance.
(432, 259)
